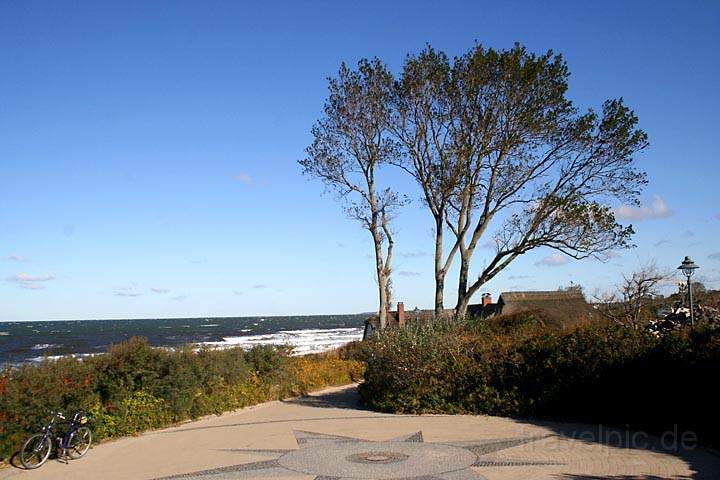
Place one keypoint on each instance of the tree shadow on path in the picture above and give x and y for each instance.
(621, 477)
(704, 464)
(347, 397)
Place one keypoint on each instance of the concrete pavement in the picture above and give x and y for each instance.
(329, 436)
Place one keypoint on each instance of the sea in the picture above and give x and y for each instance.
(33, 341)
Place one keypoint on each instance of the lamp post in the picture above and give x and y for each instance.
(688, 267)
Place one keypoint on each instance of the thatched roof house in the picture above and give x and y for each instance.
(556, 307)
(559, 308)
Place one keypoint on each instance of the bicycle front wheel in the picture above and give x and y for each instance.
(35, 451)
(80, 441)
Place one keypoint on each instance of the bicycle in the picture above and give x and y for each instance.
(73, 444)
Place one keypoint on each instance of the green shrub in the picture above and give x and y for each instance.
(356, 350)
(310, 374)
(597, 373)
(143, 411)
(135, 387)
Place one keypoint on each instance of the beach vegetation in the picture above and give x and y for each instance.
(517, 366)
(135, 387)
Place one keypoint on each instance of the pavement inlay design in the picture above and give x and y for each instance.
(334, 457)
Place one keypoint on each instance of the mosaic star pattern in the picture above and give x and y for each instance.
(333, 457)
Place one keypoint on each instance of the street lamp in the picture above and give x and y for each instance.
(688, 267)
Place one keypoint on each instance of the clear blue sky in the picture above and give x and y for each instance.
(153, 145)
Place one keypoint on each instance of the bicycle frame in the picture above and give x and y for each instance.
(62, 443)
(60, 440)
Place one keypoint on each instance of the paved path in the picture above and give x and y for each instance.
(329, 437)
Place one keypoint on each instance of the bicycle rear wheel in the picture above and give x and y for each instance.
(80, 441)
(35, 451)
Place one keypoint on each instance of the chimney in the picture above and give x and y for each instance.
(401, 314)
(486, 299)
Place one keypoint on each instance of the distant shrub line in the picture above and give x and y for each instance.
(517, 367)
(135, 387)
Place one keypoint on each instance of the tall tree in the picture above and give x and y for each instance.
(351, 142)
(546, 172)
(423, 122)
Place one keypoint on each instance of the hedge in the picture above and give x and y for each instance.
(135, 387)
(595, 373)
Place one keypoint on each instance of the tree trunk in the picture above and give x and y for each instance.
(461, 307)
(439, 271)
(385, 266)
(382, 277)
(462, 298)
(439, 292)
(439, 268)
(384, 301)
(466, 253)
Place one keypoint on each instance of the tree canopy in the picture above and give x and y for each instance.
(496, 148)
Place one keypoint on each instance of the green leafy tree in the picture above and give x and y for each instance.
(425, 122)
(351, 143)
(494, 142)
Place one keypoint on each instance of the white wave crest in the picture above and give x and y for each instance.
(302, 341)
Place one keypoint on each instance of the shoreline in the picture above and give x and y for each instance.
(28, 342)
(248, 345)
(301, 315)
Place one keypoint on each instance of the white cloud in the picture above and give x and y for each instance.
(128, 291)
(709, 279)
(406, 273)
(259, 286)
(519, 277)
(607, 256)
(656, 209)
(17, 258)
(418, 254)
(32, 286)
(237, 292)
(160, 290)
(179, 298)
(25, 278)
(669, 282)
(489, 245)
(198, 261)
(554, 260)
(244, 178)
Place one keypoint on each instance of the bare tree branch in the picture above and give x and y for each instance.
(627, 304)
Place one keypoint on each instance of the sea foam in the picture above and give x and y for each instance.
(303, 341)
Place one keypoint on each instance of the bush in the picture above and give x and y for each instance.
(596, 373)
(135, 387)
(356, 350)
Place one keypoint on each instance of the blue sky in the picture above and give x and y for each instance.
(148, 149)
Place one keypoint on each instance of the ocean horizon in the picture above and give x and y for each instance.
(26, 341)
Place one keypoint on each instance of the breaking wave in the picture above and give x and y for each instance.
(303, 341)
